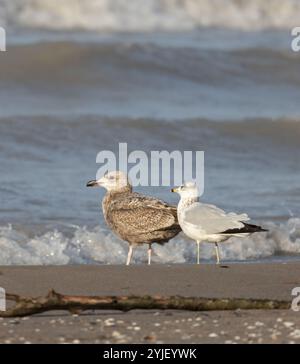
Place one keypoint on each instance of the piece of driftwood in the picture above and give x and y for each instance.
(26, 306)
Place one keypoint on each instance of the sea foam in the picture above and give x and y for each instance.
(99, 246)
(150, 15)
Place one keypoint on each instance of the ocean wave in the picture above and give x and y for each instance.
(107, 64)
(150, 15)
(132, 79)
(48, 131)
(99, 246)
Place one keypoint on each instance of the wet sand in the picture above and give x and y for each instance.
(271, 281)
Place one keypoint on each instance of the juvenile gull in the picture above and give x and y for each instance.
(136, 218)
(203, 222)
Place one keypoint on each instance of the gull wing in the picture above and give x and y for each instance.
(137, 214)
(211, 219)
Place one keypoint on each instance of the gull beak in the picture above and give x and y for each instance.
(174, 190)
(93, 183)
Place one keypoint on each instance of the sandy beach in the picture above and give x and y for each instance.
(262, 281)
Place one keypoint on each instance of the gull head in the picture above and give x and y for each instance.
(187, 190)
(111, 181)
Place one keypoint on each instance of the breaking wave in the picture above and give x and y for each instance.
(150, 15)
(99, 246)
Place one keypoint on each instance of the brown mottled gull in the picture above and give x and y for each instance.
(135, 218)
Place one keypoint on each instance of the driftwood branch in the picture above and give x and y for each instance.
(25, 306)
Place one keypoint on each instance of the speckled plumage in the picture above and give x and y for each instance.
(139, 219)
(136, 218)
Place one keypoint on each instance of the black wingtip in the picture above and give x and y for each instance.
(246, 229)
(254, 228)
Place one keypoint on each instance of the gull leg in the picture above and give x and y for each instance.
(217, 253)
(149, 254)
(198, 252)
(130, 251)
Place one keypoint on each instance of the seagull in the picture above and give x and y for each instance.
(204, 222)
(135, 218)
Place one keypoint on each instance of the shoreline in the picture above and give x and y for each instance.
(262, 281)
(270, 281)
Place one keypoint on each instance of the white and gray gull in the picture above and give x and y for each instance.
(208, 223)
(135, 218)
